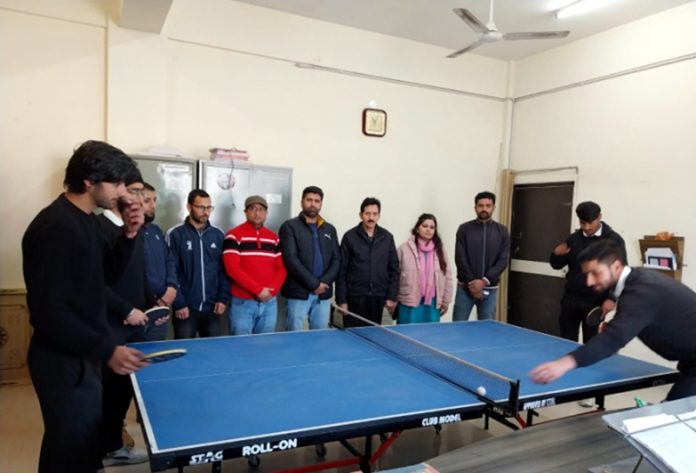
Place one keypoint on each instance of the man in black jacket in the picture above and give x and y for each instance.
(66, 265)
(658, 310)
(126, 303)
(579, 299)
(369, 278)
(311, 256)
(481, 254)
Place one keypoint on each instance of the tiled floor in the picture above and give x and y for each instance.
(21, 430)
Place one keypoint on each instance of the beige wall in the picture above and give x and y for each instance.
(234, 82)
(51, 98)
(68, 73)
(632, 137)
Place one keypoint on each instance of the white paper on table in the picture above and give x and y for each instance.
(647, 422)
(687, 415)
(673, 444)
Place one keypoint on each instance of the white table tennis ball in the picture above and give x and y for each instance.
(372, 103)
(481, 391)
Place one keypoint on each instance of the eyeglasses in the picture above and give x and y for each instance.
(136, 191)
(204, 208)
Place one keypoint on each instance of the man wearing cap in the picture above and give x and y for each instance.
(252, 259)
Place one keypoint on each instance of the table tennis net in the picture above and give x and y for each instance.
(500, 390)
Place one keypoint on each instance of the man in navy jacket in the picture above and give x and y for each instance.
(204, 290)
(160, 267)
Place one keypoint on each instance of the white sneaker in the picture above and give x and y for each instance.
(125, 456)
(587, 403)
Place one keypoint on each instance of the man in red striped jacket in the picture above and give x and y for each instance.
(252, 259)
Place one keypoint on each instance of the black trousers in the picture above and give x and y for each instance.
(206, 324)
(685, 385)
(369, 307)
(116, 397)
(117, 393)
(70, 394)
(574, 309)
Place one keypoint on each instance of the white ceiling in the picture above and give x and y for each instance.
(433, 22)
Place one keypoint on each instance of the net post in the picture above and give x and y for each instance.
(514, 398)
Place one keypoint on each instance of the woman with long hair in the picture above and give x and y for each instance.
(425, 283)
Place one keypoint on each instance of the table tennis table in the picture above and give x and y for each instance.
(249, 395)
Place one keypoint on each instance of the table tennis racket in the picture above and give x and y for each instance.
(594, 317)
(157, 312)
(164, 355)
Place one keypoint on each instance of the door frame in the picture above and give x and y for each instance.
(509, 179)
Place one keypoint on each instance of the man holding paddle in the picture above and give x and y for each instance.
(659, 310)
(67, 263)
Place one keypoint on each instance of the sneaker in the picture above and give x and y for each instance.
(587, 403)
(125, 456)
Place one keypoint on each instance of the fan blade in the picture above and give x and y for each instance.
(473, 45)
(535, 35)
(471, 20)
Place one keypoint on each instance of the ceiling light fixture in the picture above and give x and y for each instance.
(579, 7)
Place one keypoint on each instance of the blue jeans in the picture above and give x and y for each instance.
(251, 316)
(463, 304)
(316, 309)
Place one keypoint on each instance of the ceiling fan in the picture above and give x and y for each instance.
(489, 32)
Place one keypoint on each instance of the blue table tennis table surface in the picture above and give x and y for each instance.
(243, 389)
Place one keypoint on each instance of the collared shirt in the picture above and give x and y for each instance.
(621, 282)
(597, 234)
(118, 221)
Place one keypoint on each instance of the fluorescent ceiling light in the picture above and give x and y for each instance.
(579, 7)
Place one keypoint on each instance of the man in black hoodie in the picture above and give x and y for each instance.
(368, 280)
(579, 299)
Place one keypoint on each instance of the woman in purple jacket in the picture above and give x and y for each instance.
(425, 283)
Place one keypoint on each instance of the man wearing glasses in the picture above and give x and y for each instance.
(204, 290)
(253, 262)
(126, 302)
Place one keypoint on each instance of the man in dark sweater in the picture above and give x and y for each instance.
(481, 254)
(368, 281)
(579, 299)
(126, 303)
(311, 257)
(67, 263)
(658, 310)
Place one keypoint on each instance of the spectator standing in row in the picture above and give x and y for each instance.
(312, 259)
(204, 290)
(252, 259)
(369, 277)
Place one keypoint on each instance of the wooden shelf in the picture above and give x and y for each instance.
(676, 244)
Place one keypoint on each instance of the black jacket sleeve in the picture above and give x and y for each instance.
(334, 255)
(394, 272)
(464, 272)
(342, 278)
(289, 247)
(502, 257)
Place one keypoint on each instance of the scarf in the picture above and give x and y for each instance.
(426, 258)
